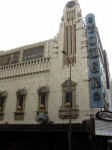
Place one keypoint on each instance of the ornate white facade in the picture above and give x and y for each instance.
(36, 77)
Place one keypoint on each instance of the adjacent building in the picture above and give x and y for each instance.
(36, 90)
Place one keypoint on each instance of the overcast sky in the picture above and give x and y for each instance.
(25, 22)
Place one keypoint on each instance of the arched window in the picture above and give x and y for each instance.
(20, 106)
(67, 97)
(43, 92)
(3, 95)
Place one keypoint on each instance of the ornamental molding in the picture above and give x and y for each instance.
(67, 83)
(43, 89)
(21, 92)
(3, 93)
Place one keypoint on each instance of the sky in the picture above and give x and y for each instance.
(25, 22)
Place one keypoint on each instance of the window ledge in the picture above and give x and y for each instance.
(1, 115)
(19, 115)
(41, 111)
(64, 113)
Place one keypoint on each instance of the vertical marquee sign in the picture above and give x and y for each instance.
(96, 97)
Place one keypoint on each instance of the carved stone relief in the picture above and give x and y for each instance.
(3, 93)
(43, 89)
(21, 92)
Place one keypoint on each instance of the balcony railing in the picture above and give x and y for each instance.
(25, 68)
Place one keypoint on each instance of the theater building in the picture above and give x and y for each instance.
(35, 92)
